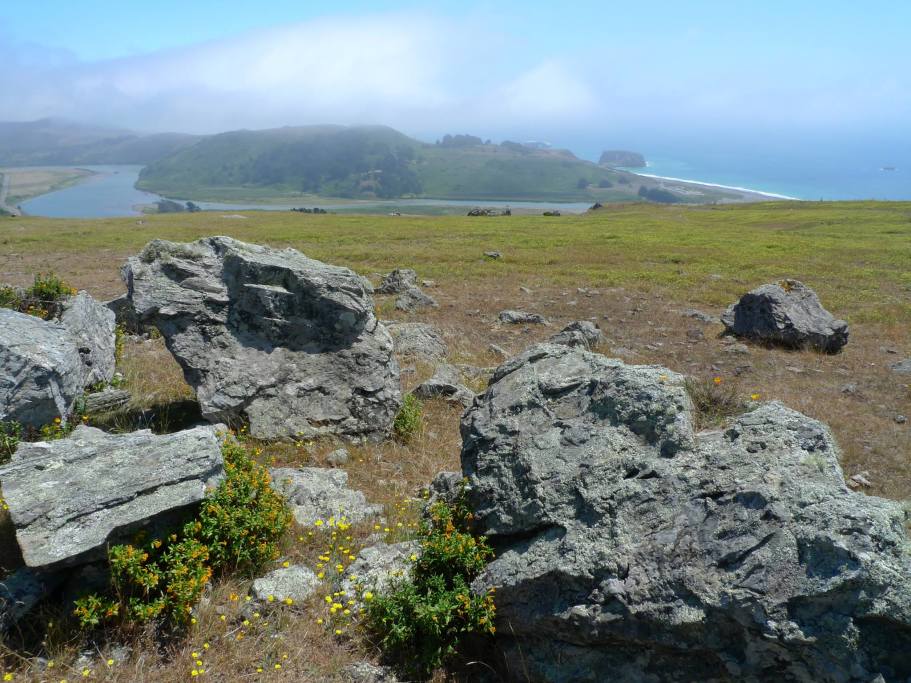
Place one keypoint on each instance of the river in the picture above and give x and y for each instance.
(111, 193)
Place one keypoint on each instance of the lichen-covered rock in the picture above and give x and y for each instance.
(413, 298)
(68, 499)
(317, 493)
(631, 548)
(22, 590)
(417, 339)
(41, 371)
(398, 281)
(787, 313)
(378, 566)
(295, 583)
(106, 401)
(511, 317)
(446, 384)
(286, 342)
(92, 326)
(581, 333)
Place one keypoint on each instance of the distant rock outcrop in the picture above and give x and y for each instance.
(69, 498)
(621, 157)
(631, 548)
(286, 342)
(786, 313)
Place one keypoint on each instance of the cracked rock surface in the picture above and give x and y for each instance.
(630, 547)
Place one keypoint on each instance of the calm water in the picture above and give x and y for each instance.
(107, 194)
(111, 193)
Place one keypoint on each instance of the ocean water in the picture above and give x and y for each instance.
(831, 169)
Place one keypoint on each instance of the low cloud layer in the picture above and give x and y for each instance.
(425, 76)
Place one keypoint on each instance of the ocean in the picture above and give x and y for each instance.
(835, 168)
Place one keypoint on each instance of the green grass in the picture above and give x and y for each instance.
(854, 254)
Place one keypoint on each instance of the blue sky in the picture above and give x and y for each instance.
(521, 69)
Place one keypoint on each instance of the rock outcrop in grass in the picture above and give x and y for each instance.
(631, 547)
(786, 313)
(285, 342)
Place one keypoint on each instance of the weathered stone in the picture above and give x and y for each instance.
(286, 342)
(319, 493)
(106, 401)
(365, 672)
(511, 317)
(377, 566)
(92, 326)
(41, 370)
(69, 498)
(417, 339)
(580, 333)
(398, 281)
(338, 457)
(630, 548)
(699, 315)
(446, 383)
(413, 298)
(902, 367)
(787, 313)
(296, 583)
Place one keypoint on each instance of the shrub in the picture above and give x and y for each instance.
(42, 299)
(422, 621)
(238, 527)
(714, 400)
(409, 418)
(10, 436)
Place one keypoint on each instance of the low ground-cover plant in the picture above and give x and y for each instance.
(10, 436)
(42, 299)
(409, 419)
(238, 528)
(422, 620)
(715, 401)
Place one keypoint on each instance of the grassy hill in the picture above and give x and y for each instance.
(371, 162)
(53, 142)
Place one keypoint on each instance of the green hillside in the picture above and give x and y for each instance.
(375, 162)
(53, 142)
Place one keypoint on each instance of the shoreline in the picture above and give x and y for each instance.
(772, 195)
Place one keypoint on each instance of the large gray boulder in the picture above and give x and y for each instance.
(286, 342)
(41, 370)
(631, 548)
(92, 326)
(446, 383)
(786, 313)
(68, 499)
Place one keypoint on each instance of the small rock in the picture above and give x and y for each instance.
(295, 582)
(320, 493)
(579, 333)
(446, 383)
(378, 565)
(900, 419)
(695, 334)
(742, 349)
(398, 281)
(413, 298)
(339, 457)
(106, 401)
(428, 283)
(512, 317)
(492, 254)
(524, 290)
(699, 315)
(417, 339)
(498, 350)
(860, 479)
(849, 388)
(903, 367)
(365, 672)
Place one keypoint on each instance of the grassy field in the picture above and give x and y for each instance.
(26, 183)
(632, 268)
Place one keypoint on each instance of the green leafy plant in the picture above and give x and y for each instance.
(409, 419)
(10, 436)
(42, 299)
(238, 527)
(422, 620)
